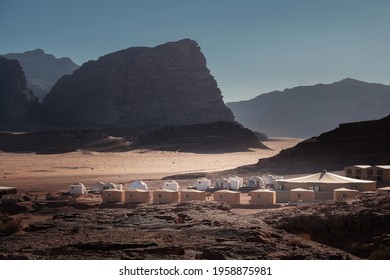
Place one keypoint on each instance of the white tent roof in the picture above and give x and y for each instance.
(363, 166)
(301, 190)
(138, 185)
(345, 190)
(384, 189)
(225, 191)
(383, 166)
(324, 177)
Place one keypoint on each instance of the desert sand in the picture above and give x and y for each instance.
(37, 172)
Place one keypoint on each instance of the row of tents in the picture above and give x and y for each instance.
(201, 184)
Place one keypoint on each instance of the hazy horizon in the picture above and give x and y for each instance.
(251, 47)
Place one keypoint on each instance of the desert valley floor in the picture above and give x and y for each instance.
(85, 228)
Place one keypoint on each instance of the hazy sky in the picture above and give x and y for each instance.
(251, 46)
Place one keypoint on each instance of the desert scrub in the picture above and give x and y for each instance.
(9, 225)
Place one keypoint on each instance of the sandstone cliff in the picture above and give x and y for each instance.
(17, 103)
(307, 111)
(165, 85)
(42, 70)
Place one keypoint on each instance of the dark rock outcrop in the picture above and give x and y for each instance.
(207, 138)
(62, 141)
(165, 85)
(42, 70)
(351, 143)
(360, 226)
(307, 111)
(17, 103)
(207, 230)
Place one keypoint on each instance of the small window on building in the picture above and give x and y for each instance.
(344, 195)
(109, 194)
(159, 195)
(299, 195)
(187, 195)
(349, 171)
(221, 196)
(131, 195)
(258, 196)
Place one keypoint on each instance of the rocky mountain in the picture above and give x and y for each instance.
(214, 137)
(17, 103)
(365, 142)
(307, 111)
(165, 85)
(42, 70)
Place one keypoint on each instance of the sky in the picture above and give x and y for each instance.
(251, 46)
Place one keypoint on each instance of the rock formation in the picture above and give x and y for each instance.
(352, 143)
(42, 70)
(307, 111)
(212, 138)
(165, 85)
(17, 103)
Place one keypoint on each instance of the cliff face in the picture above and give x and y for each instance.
(42, 70)
(165, 85)
(307, 111)
(17, 103)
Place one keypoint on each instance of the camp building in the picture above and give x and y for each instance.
(322, 184)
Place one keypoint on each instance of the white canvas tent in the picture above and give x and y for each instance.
(137, 185)
(171, 185)
(97, 187)
(222, 183)
(77, 188)
(255, 181)
(326, 181)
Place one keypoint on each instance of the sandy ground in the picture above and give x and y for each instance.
(36, 172)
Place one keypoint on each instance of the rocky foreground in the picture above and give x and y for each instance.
(197, 230)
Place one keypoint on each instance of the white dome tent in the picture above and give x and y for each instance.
(109, 186)
(171, 186)
(97, 187)
(268, 180)
(77, 188)
(222, 183)
(137, 185)
(255, 181)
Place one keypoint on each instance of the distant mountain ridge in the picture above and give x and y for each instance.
(42, 70)
(306, 111)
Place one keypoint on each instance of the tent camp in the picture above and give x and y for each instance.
(190, 194)
(137, 185)
(202, 184)
(255, 181)
(77, 188)
(165, 196)
(230, 197)
(137, 196)
(323, 184)
(343, 194)
(171, 185)
(263, 197)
